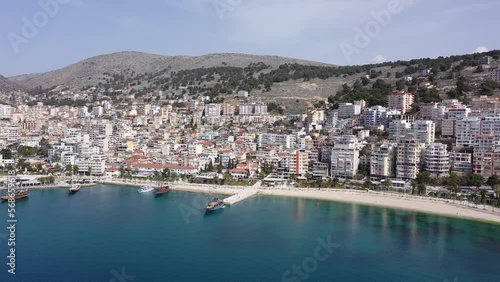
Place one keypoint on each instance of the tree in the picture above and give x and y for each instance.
(493, 180)
(421, 188)
(424, 177)
(453, 183)
(387, 184)
(6, 154)
(367, 184)
(476, 180)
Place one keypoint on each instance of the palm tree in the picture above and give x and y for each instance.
(482, 192)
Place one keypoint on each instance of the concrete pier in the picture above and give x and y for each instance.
(240, 197)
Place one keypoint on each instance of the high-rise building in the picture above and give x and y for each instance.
(437, 159)
(409, 158)
(345, 157)
(401, 101)
(383, 162)
(212, 110)
(466, 131)
(398, 129)
(424, 131)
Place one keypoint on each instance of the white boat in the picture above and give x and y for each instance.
(146, 189)
(75, 187)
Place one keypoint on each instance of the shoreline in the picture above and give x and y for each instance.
(433, 206)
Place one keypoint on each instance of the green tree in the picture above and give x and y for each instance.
(476, 180)
(424, 177)
(493, 180)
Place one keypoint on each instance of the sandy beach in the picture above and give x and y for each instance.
(442, 207)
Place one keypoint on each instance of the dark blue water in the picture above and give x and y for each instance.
(108, 233)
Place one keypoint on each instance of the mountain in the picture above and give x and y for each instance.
(8, 86)
(94, 70)
(292, 84)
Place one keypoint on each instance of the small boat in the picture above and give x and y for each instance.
(146, 189)
(75, 187)
(214, 205)
(19, 194)
(162, 190)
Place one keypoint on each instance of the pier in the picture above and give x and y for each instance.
(239, 197)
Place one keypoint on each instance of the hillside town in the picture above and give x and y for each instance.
(240, 142)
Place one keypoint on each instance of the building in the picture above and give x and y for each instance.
(383, 162)
(490, 125)
(409, 159)
(424, 131)
(375, 116)
(348, 110)
(437, 160)
(466, 131)
(270, 140)
(398, 129)
(212, 110)
(245, 109)
(298, 163)
(486, 163)
(426, 110)
(461, 163)
(401, 101)
(495, 75)
(345, 157)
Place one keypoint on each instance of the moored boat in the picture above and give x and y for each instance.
(146, 189)
(214, 205)
(75, 187)
(18, 194)
(162, 190)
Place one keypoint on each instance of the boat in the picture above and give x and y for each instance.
(18, 194)
(146, 189)
(214, 205)
(75, 187)
(164, 189)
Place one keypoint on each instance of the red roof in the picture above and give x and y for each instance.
(239, 170)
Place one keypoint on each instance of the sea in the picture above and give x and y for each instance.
(115, 234)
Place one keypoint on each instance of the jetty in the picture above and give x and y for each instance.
(240, 197)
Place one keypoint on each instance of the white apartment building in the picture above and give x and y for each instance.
(245, 109)
(491, 126)
(437, 116)
(383, 162)
(212, 110)
(95, 165)
(452, 115)
(466, 131)
(398, 129)
(345, 156)
(401, 101)
(375, 116)
(409, 159)
(5, 111)
(268, 140)
(260, 109)
(348, 110)
(437, 159)
(485, 143)
(461, 163)
(424, 131)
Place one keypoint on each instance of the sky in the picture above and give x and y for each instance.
(43, 35)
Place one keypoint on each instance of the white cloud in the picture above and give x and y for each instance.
(481, 49)
(379, 59)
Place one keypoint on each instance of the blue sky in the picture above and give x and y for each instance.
(319, 30)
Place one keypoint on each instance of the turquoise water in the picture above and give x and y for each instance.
(110, 233)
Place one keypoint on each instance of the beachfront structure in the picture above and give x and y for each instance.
(424, 131)
(345, 156)
(409, 159)
(437, 160)
(401, 101)
(461, 163)
(487, 163)
(298, 163)
(466, 131)
(383, 162)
